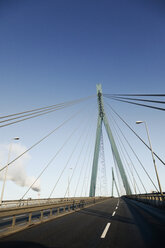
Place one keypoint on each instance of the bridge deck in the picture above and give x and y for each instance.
(130, 226)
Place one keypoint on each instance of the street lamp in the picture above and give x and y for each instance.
(8, 160)
(160, 188)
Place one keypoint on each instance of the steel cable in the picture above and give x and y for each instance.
(79, 138)
(137, 99)
(50, 106)
(135, 133)
(119, 139)
(139, 104)
(78, 181)
(38, 142)
(87, 134)
(66, 141)
(136, 157)
(44, 111)
(156, 95)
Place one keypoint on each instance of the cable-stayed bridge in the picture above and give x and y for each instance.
(86, 203)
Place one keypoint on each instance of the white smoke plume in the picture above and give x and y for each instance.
(17, 171)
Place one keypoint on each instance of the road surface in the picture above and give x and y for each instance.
(114, 223)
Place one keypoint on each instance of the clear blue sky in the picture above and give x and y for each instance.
(53, 51)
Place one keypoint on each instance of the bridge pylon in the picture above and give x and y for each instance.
(114, 182)
(103, 119)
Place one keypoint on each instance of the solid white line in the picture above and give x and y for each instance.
(114, 213)
(105, 231)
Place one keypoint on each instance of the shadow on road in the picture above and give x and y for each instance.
(22, 244)
(105, 215)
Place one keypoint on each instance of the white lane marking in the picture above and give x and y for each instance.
(105, 230)
(114, 213)
(116, 207)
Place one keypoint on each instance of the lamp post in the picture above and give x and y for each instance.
(5, 176)
(160, 188)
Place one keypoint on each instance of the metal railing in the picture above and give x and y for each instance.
(18, 218)
(154, 199)
(30, 201)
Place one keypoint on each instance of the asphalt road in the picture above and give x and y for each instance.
(113, 223)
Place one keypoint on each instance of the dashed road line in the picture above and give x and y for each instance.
(114, 213)
(105, 230)
(108, 224)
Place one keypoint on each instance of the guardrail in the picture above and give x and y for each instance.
(16, 219)
(154, 199)
(29, 201)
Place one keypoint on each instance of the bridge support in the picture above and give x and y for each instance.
(114, 182)
(103, 119)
